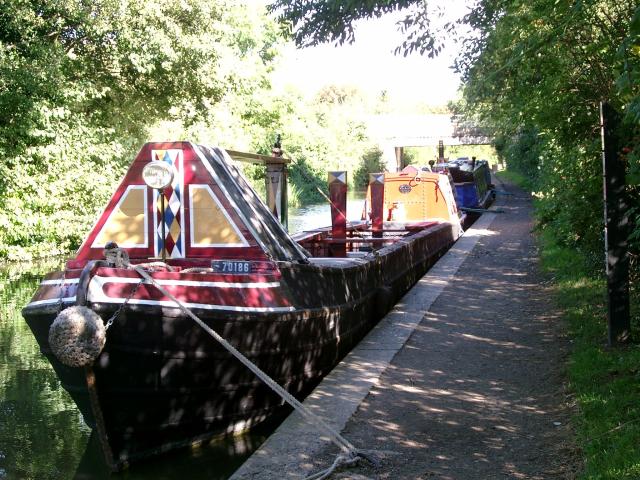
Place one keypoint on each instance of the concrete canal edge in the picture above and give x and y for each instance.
(289, 451)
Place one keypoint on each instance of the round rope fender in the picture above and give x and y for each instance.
(77, 336)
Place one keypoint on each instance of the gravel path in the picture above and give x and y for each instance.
(478, 392)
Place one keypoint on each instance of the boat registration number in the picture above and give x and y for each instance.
(231, 266)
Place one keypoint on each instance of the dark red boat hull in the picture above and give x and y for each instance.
(163, 382)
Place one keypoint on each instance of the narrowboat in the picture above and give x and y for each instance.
(472, 181)
(294, 305)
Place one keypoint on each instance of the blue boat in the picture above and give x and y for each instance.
(472, 182)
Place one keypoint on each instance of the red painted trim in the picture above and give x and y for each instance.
(232, 297)
(417, 226)
(377, 208)
(197, 277)
(338, 198)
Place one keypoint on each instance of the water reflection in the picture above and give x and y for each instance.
(42, 435)
(216, 460)
(319, 215)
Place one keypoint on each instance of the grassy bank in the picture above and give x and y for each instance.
(605, 382)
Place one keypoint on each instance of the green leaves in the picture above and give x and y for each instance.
(536, 74)
(82, 83)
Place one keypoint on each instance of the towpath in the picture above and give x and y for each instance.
(478, 389)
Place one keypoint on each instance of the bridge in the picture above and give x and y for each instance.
(393, 132)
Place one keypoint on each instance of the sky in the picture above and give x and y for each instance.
(371, 65)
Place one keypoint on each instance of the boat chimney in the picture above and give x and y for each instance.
(276, 183)
(440, 151)
(276, 150)
(376, 187)
(338, 199)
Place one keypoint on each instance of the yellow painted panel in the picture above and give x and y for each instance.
(421, 200)
(210, 226)
(174, 231)
(126, 224)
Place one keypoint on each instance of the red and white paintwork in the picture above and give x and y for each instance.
(259, 291)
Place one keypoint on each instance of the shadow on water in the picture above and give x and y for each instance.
(42, 433)
(216, 460)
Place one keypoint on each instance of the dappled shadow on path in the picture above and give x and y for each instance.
(477, 392)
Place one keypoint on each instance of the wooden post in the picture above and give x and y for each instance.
(616, 228)
(376, 187)
(338, 198)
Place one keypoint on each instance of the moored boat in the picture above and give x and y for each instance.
(294, 305)
(472, 180)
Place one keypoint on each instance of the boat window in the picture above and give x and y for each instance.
(127, 224)
(211, 225)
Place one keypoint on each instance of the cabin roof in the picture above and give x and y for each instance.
(210, 211)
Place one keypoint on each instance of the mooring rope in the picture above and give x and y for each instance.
(340, 461)
(351, 455)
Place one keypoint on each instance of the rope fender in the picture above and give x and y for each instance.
(77, 336)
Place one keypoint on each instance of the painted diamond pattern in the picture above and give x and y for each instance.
(173, 213)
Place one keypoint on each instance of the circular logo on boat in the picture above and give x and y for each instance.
(404, 188)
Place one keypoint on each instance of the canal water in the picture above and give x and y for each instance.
(42, 433)
(319, 215)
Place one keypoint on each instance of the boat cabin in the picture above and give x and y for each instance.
(207, 211)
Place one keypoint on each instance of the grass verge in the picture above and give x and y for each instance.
(605, 381)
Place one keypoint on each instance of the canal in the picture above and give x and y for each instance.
(42, 433)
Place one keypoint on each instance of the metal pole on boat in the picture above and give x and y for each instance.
(399, 153)
(276, 179)
(338, 199)
(285, 198)
(164, 235)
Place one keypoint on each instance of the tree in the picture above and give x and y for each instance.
(82, 82)
(312, 22)
(537, 74)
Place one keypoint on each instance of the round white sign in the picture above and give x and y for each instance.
(157, 175)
